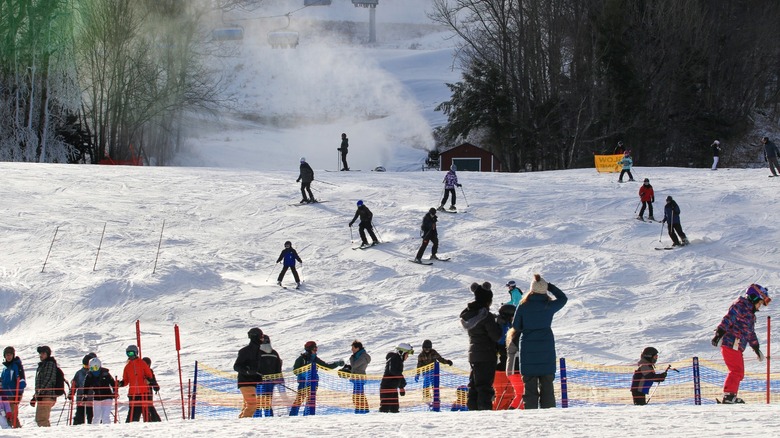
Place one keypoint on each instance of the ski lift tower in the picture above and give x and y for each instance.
(371, 5)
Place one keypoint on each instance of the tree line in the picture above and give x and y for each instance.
(82, 80)
(549, 83)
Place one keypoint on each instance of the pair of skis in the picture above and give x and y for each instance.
(428, 263)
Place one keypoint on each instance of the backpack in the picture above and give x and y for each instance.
(59, 383)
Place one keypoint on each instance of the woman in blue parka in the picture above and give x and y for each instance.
(533, 319)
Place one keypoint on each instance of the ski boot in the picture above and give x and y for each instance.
(651, 218)
(434, 257)
(365, 245)
(297, 285)
(313, 201)
(374, 243)
(441, 207)
(418, 260)
(278, 283)
(732, 399)
(685, 242)
(304, 201)
(452, 208)
(640, 218)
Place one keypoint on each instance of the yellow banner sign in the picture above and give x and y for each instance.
(608, 163)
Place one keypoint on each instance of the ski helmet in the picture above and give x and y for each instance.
(288, 244)
(716, 142)
(756, 293)
(94, 364)
(649, 353)
(309, 346)
(131, 351)
(255, 334)
(427, 344)
(453, 168)
(647, 180)
(359, 203)
(403, 347)
(303, 159)
(669, 198)
(511, 283)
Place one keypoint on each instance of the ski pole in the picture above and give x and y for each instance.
(271, 272)
(377, 232)
(162, 405)
(662, 231)
(464, 196)
(656, 386)
(324, 182)
(351, 236)
(62, 410)
(637, 207)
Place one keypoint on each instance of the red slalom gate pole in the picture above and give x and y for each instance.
(768, 358)
(138, 336)
(178, 359)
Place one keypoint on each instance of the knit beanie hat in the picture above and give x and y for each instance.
(538, 285)
(481, 294)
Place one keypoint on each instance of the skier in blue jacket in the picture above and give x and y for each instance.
(12, 378)
(289, 255)
(672, 219)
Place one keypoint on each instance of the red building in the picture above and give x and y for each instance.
(469, 157)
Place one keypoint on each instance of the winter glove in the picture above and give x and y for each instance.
(716, 341)
(32, 401)
(401, 392)
(449, 362)
(759, 353)
(460, 185)
(663, 376)
(652, 200)
(416, 377)
(9, 417)
(340, 363)
(350, 224)
(298, 180)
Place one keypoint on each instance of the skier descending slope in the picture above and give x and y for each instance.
(734, 333)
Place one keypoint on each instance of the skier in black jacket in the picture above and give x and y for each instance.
(271, 369)
(393, 381)
(429, 233)
(305, 177)
(365, 224)
(247, 366)
(484, 333)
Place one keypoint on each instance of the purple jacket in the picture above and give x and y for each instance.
(739, 325)
(450, 180)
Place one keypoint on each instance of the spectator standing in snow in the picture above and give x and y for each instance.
(734, 333)
(619, 149)
(533, 319)
(83, 407)
(289, 256)
(344, 149)
(484, 332)
(150, 413)
(428, 233)
(715, 154)
(427, 357)
(308, 378)
(365, 224)
(45, 383)
(13, 384)
(646, 197)
(450, 182)
(358, 362)
(626, 162)
(247, 365)
(770, 154)
(305, 177)
(515, 294)
(271, 369)
(136, 376)
(645, 376)
(99, 388)
(393, 381)
(672, 219)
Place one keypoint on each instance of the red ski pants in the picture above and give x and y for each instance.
(736, 364)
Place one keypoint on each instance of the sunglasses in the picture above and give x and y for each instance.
(130, 353)
(94, 368)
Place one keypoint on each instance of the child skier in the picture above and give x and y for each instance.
(393, 381)
(308, 378)
(289, 255)
(647, 196)
(515, 294)
(645, 376)
(99, 385)
(429, 234)
(734, 333)
(672, 219)
(427, 357)
(450, 182)
(626, 162)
